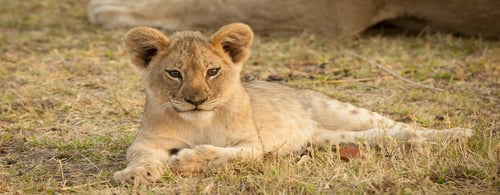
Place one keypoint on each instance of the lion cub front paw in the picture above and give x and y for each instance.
(194, 161)
(137, 175)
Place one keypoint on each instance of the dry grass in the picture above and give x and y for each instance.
(70, 104)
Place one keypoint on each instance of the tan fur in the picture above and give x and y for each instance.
(331, 18)
(200, 119)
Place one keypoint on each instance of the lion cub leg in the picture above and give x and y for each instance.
(146, 159)
(344, 123)
(403, 134)
(191, 161)
(373, 136)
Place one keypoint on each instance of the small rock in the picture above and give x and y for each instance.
(274, 78)
(349, 152)
(55, 129)
(11, 162)
(439, 117)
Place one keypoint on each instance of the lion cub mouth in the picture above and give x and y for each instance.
(195, 114)
(196, 109)
(183, 107)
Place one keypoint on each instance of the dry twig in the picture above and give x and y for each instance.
(351, 80)
(393, 73)
(84, 185)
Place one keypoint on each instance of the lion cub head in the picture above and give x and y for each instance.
(190, 74)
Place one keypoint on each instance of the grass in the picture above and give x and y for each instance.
(70, 104)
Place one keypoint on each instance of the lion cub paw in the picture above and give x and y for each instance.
(196, 160)
(139, 175)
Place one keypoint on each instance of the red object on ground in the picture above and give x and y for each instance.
(349, 152)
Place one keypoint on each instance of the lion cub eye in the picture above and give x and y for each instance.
(174, 74)
(213, 71)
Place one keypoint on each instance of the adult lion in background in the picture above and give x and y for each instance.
(330, 18)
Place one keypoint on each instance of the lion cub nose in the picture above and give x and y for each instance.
(195, 102)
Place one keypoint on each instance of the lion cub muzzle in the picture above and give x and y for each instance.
(195, 102)
(196, 92)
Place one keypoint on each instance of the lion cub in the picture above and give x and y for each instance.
(199, 114)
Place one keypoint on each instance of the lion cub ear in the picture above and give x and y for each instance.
(144, 43)
(235, 39)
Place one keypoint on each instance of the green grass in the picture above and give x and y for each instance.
(70, 104)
